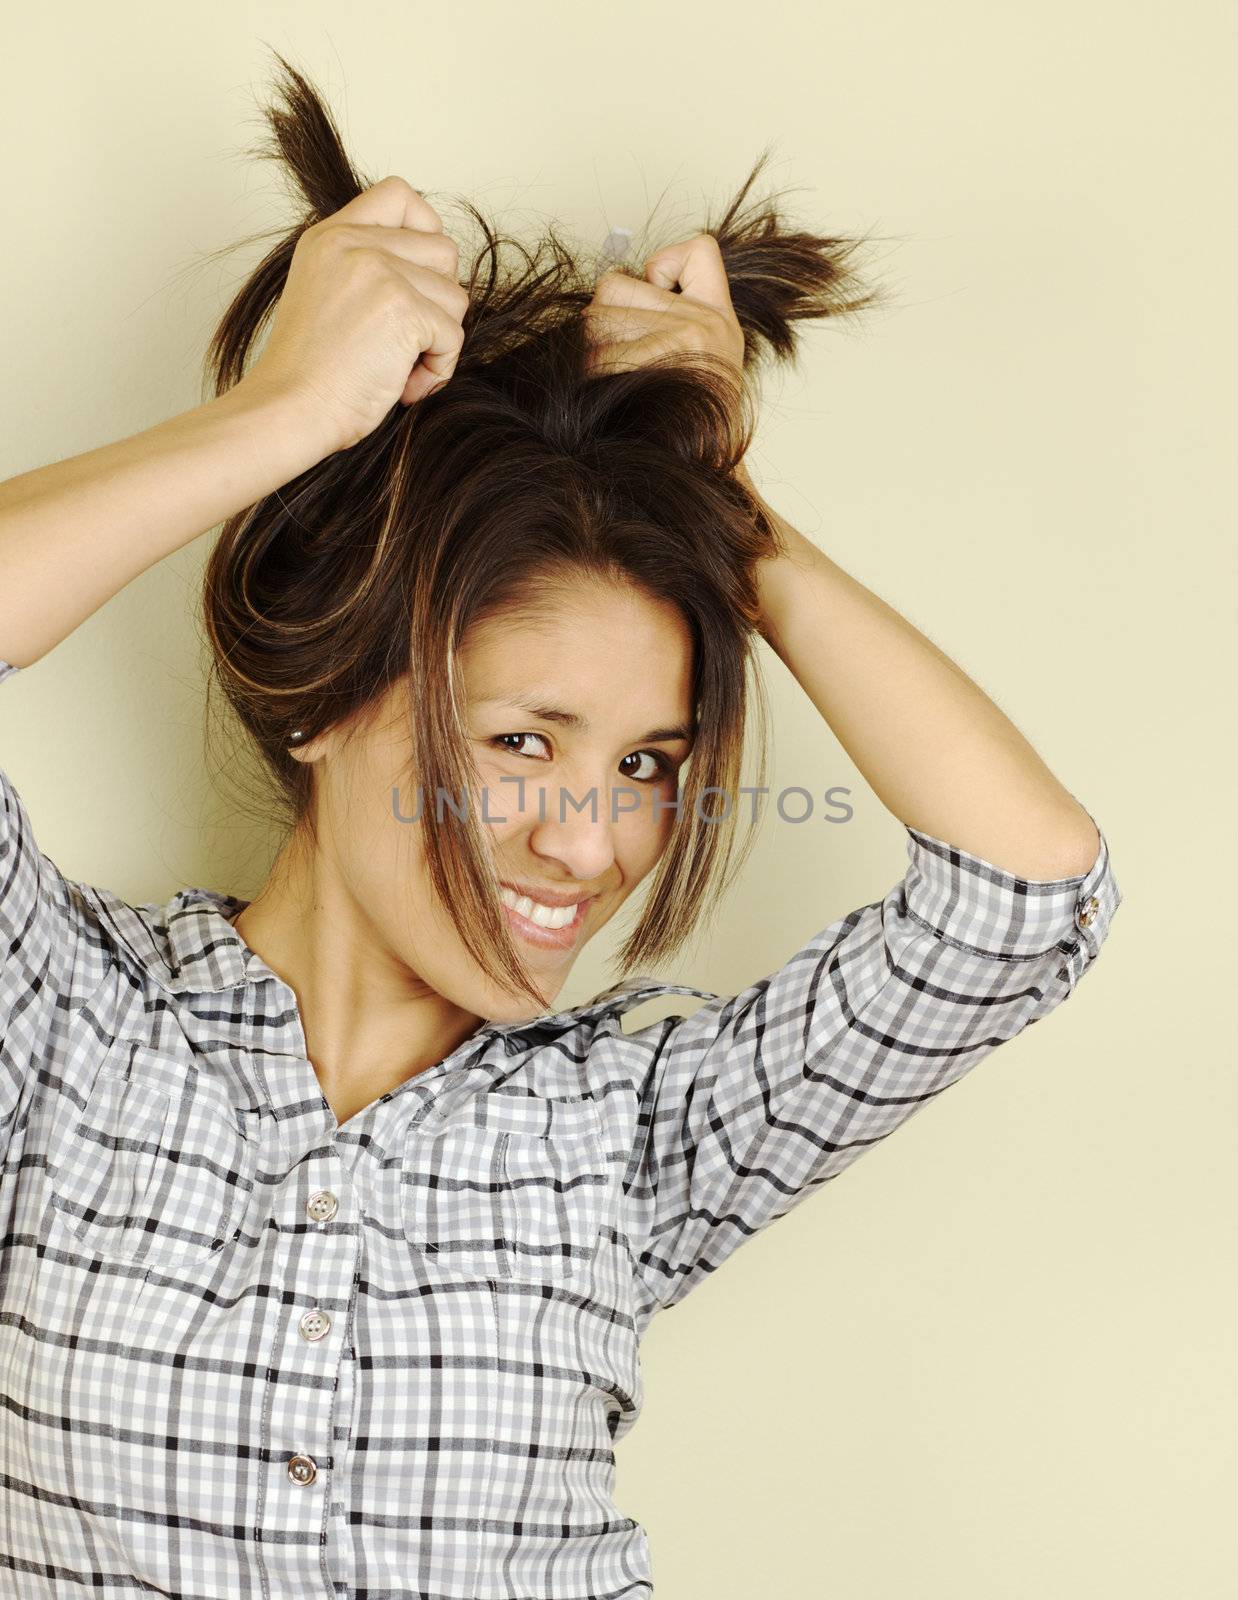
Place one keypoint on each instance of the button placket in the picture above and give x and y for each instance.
(323, 1280)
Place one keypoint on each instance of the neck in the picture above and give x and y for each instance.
(369, 1023)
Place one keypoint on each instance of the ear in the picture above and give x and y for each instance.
(310, 750)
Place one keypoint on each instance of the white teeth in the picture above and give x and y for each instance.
(543, 916)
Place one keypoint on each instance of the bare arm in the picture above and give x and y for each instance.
(74, 533)
(934, 748)
(371, 314)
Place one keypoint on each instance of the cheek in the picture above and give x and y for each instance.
(420, 930)
(498, 798)
(384, 855)
(642, 835)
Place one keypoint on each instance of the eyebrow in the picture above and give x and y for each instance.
(577, 723)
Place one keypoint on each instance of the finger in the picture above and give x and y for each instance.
(618, 289)
(421, 383)
(444, 339)
(697, 267)
(453, 297)
(443, 351)
(427, 249)
(624, 357)
(606, 323)
(391, 202)
(424, 379)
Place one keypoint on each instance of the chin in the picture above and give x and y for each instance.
(506, 1007)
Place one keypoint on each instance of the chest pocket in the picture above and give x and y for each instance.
(158, 1167)
(507, 1186)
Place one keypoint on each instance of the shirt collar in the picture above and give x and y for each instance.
(204, 954)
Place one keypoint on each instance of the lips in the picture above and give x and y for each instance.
(545, 895)
(522, 923)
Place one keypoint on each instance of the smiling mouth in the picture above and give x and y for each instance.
(552, 927)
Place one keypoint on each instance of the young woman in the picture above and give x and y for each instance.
(328, 1245)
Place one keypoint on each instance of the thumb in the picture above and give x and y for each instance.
(696, 267)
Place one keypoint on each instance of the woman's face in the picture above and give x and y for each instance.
(579, 718)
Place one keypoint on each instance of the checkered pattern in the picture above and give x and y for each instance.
(249, 1354)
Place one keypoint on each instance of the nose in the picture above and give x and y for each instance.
(574, 828)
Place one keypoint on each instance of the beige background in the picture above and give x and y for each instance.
(998, 1358)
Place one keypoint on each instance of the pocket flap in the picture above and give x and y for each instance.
(521, 1114)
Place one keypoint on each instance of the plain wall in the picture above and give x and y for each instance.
(997, 1359)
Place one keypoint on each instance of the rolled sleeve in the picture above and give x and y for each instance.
(967, 901)
(756, 1100)
(39, 930)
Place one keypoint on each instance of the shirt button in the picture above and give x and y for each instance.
(315, 1325)
(302, 1469)
(1086, 914)
(321, 1206)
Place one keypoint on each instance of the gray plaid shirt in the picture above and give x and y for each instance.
(247, 1352)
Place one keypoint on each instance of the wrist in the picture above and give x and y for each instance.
(780, 577)
(287, 424)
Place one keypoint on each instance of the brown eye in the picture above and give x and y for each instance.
(661, 765)
(500, 737)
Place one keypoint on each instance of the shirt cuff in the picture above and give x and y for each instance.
(970, 902)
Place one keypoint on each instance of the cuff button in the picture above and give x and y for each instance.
(1086, 914)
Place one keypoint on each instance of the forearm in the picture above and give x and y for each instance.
(74, 533)
(932, 746)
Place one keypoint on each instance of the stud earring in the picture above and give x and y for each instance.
(298, 737)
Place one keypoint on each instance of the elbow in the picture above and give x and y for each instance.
(1076, 848)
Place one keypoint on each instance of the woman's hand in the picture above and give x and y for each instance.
(630, 321)
(370, 315)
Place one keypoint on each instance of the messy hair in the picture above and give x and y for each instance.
(523, 473)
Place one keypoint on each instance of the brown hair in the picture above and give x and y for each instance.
(520, 474)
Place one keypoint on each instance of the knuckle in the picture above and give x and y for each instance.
(333, 235)
(398, 185)
(606, 288)
(383, 281)
(358, 257)
(446, 253)
(398, 289)
(400, 312)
